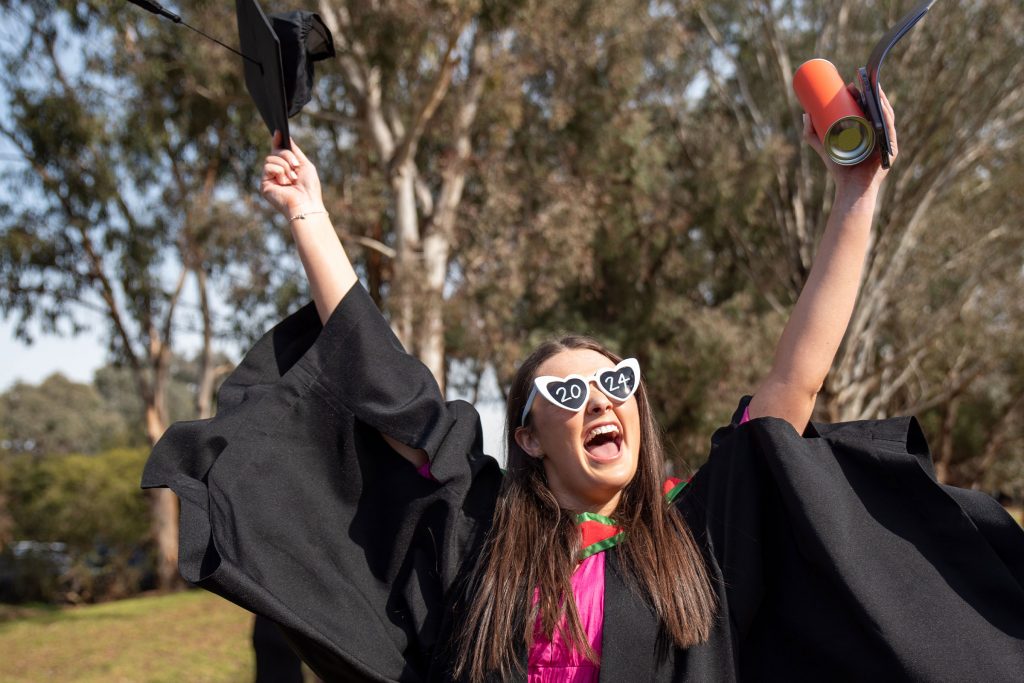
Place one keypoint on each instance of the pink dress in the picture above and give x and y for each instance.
(554, 660)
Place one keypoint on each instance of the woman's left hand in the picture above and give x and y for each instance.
(867, 174)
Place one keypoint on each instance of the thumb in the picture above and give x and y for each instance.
(299, 153)
(808, 126)
(811, 138)
(810, 135)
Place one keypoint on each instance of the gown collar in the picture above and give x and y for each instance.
(600, 533)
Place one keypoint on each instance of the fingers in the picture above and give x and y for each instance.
(276, 168)
(299, 154)
(887, 110)
(297, 168)
(275, 174)
(808, 126)
(889, 117)
(810, 135)
(288, 155)
(885, 100)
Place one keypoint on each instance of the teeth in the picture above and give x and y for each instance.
(605, 429)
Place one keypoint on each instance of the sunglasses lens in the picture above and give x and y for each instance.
(618, 383)
(571, 394)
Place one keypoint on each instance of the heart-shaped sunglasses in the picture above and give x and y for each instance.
(573, 392)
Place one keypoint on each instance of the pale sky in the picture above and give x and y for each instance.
(76, 357)
(79, 357)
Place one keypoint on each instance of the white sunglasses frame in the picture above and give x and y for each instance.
(540, 386)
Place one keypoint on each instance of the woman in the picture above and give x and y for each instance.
(829, 554)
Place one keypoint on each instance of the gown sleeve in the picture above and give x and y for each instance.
(840, 557)
(294, 507)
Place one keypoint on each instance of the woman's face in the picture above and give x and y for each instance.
(591, 455)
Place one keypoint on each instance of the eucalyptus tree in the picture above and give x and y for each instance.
(946, 234)
(581, 218)
(648, 183)
(135, 149)
(401, 112)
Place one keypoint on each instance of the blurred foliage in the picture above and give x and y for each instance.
(59, 416)
(640, 177)
(116, 385)
(93, 505)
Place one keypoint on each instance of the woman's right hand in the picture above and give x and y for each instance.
(868, 173)
(290, 181)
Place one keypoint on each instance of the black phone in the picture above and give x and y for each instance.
(870, 101)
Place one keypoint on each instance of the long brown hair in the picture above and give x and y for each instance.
(534, 545)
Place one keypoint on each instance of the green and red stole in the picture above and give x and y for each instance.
(600, 533)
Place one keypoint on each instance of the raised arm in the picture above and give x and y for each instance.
(822, 313)
(291, 184)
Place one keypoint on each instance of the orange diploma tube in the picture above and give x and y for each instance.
(837, 117)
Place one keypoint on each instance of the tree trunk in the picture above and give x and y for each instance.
(408, 272)
(431, 343)
(164, 508)
(207, 371)
(164, 503)
(6, 522)
(376, 267)
(437, 245)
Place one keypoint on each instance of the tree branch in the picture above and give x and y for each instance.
(424, 113)
(96, 272)
(369, 243)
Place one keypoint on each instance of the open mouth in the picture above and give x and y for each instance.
(603, 443)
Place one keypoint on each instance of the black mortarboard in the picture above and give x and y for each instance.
(280, 56)
(304, 39)
(264, 75)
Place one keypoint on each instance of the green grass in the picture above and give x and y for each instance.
(192, 636)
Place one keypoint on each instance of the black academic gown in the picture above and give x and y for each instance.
(834, 554)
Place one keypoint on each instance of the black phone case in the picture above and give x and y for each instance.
(870, 99)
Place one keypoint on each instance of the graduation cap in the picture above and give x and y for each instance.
(871, 101)
(278, 53)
